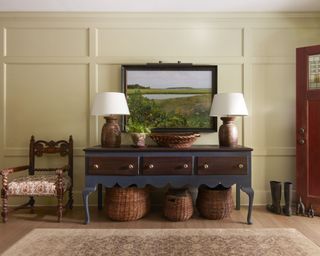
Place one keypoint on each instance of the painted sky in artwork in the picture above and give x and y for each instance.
(164, 79)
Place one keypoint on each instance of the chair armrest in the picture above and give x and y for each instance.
(5, 172)
(60, 171)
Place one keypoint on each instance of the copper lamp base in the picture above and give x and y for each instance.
(228, 132)
(111, 133)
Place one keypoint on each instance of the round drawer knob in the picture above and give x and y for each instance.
(185, 166)
(151, 166)
(96, 166)
(130, 166)
(206, 166)
(240, 166)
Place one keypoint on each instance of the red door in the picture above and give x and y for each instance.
(308, 126)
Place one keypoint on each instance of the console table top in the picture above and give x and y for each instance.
(194, 148)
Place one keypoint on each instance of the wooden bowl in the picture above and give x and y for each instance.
(175, 140)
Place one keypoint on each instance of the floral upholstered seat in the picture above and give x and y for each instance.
(41, 181)
(37, 185)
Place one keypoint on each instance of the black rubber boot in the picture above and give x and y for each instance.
(287, 209)
(275, 207)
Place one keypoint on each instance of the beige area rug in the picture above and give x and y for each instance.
(49, 242)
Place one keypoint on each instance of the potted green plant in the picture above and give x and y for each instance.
(138, 133)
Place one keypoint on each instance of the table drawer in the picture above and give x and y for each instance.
(222, 165)
(167, 165)
(113, 166)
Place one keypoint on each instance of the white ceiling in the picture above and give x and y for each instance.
(162, 5)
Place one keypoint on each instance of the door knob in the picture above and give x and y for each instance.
(130, 166)
(185, 166)
(301, 130)
(96, 166)
(206, 166)
(151, 166)
(301, 141)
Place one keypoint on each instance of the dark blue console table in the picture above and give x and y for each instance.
(159, 166)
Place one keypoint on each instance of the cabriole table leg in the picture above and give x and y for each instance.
(249, 191)
(85, 196)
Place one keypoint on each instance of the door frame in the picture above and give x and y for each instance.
(303, 94)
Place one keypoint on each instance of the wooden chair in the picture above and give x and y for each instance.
(43, 184)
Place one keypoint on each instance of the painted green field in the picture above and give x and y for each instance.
(170, 91)
(181, 112)
(186, 105)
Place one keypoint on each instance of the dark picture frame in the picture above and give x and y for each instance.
(170, 97)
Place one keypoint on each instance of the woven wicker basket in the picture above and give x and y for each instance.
(178, 205)
(174, 140)
(214, 203)
(126, 204)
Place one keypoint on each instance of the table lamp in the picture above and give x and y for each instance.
(228, 106)
(109, 104)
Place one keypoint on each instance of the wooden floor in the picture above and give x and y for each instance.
(21, 222)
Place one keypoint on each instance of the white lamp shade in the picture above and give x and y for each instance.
(110, 103)
(228, 104)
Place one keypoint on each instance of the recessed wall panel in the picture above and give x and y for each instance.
(47, 42)
(109, 78)
(265, 169)
(230, 77)
(170, 42)
(48, 101)
(281, 42)
(273, 105)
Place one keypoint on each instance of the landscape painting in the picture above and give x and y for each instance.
(169, 98)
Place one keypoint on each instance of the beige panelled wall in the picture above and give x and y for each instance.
(52, 65)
